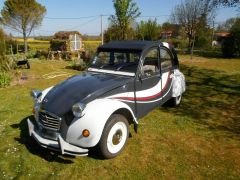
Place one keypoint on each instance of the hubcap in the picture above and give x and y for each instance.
(117, 137)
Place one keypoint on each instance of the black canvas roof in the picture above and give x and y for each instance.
(127, 45)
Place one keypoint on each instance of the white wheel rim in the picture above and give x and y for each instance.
(117, 137)
(178, 99)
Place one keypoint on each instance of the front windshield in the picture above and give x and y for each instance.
(116, 61)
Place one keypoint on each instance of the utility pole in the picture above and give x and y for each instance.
(101, 16)
(213, 31)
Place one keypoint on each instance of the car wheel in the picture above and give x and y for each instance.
(114, 136)
(174, 101)
(177, 100)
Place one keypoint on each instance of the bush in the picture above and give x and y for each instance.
(5, 80)
(31, 54)
(58, 45)
(42, 54)
(2, 44)
(11, 43)
(231, 44)
(228, 49)
(80, 66)
(7, 63)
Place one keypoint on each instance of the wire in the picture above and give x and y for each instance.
(85, 23)
(84, 17)
(105, 15)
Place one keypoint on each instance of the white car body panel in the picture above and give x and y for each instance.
(94, 118)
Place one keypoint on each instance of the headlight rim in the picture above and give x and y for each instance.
(35, 94)
(81, 107)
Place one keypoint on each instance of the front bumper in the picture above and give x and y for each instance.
(60, 145)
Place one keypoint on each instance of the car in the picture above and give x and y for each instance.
(125, 81)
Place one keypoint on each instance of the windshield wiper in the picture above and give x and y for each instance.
(125, 65)
(103, 66)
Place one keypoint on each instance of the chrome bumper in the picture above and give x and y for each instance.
(60, 145)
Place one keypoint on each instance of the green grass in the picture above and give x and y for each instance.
(198, 140)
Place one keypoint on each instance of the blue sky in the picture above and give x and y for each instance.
(93, 8)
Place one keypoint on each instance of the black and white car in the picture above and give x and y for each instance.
(126, 80)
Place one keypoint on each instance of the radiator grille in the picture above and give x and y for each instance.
(50, 121)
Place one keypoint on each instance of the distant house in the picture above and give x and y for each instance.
(166, 34)
(219, 37)
(70, 41)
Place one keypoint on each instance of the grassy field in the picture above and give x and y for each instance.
(198, 140)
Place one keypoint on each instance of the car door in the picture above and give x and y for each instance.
(166, 61)
(148, 84)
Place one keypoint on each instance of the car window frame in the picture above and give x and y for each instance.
(160, 60)
(142, 60)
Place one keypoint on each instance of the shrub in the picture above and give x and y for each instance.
(5, 79)
(80, 66)
(231, 44)
(11, 43)
(58, 45)
(31, 54)
(228, 49)
(2, 43)
(7, 63)
(42, 54)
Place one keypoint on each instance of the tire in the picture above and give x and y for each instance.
(114, 137)
(174, 101)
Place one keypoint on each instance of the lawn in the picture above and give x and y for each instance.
(198, 140)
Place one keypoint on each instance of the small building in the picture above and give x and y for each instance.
(219, 37)
(166, 34)
(70, 41)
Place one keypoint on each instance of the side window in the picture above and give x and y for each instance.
(166, 60)
(150, 65)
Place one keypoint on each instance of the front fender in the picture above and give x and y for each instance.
(94, 118)
(44, 93)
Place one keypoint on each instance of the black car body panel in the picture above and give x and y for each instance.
(80, 88)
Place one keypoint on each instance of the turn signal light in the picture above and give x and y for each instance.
(33, 110)
(85, 133)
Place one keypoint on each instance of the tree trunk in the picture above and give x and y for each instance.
(189, 43)
(192, 48)
(25, 43)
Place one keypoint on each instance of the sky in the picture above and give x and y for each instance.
(61, 13)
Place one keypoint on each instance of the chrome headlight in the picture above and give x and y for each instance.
(77, 109)
(36, 94)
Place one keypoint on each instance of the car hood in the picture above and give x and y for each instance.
(80, 88)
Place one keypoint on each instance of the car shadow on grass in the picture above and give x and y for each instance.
(212, 98)
(47, 154)
(34, 148)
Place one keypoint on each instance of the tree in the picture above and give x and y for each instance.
(148, 30)
(126, 11)
(189, 14)
(226, 2)
(226, 26)
(22, 16)
(114, 33)
(175, 28)
(231, 44)
(2, 43)
(204, 34)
